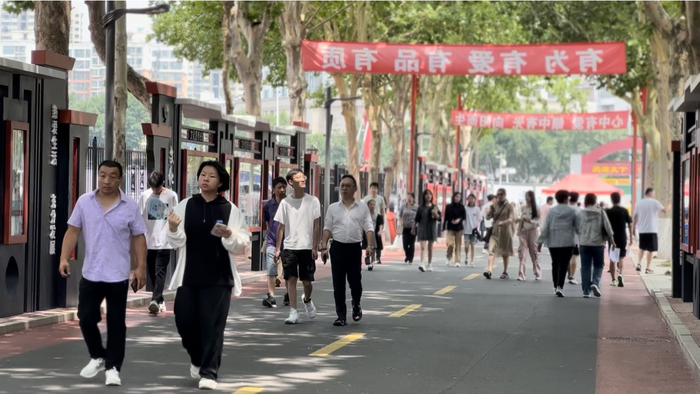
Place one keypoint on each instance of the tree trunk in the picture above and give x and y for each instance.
(226, 64)
(136, 83)
(693, 24)
(248, 65)
(293, 31)
(373, 110)
(349, 109)
(52, 26)
(120, 93)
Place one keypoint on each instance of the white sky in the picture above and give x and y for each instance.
(134, 23)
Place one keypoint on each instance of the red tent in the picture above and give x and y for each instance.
(583, 184)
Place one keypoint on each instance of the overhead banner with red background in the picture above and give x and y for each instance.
(612, 120)
(532, 59)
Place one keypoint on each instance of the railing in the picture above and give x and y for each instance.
(135, 171)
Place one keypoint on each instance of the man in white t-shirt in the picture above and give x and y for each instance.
(155, 205)
(487, 222)
(646, 220)
(380, 208)
(299, 221)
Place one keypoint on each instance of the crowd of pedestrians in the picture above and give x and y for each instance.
(126, 239)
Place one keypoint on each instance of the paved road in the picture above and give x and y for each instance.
(479, 336)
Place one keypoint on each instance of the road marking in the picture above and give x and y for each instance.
(248, 390)
(346, 340)
(445, 290)
(472, 276)
(405, 310)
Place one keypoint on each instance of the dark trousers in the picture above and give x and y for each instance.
(157, 261)
(346, 262)
(560, 264)
(409, 244)
(89, 303)
(200, 317)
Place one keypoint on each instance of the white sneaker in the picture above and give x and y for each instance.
(112, 378)
(538, 278)
(293, 317)
(421, 268)
(310, 308)
(595, 290)
(430, 267)
(194, 372)
(207, 384)
(573, 281)
(472, 265)
(93, 368)
(449, 261)
(162, 307)
(485, 251)
(457, 264)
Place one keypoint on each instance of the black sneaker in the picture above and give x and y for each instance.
(286, 299)
(270, 301)
(357, 312)
(340, 322)
(487, 274)
(620, 281)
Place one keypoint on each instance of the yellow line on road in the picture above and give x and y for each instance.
(248, 390)
(472, 276)
(445, 290)
(326, 350)
(405, 310)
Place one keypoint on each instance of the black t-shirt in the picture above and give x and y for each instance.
(619, 220)
(208, 263)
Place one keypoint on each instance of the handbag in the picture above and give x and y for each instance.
(477, 234)
(487, 236)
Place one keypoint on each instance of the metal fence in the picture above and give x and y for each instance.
(135, 171)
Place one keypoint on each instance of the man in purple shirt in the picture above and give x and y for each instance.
(110, 222)
(279, 186)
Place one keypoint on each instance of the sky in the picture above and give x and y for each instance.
(133, 22)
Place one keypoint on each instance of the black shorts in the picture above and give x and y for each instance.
(298, 264)
(648, 242)
(576, 251)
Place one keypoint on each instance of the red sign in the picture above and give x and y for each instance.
(535, 59)
(613, 120)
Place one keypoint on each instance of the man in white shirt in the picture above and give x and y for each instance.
(155, 205)
(345, 222)
(646, 220)
(299, 217)
(487, 222)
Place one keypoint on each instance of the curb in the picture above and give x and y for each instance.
(690, 348)
(54, 316)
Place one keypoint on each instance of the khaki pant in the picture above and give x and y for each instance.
(528, 245)
(454, 244)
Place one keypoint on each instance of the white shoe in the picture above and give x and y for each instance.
(457, 264)
(162, 307)
(207, 384)
(293, 317)
(472, 265)
(93, 368)
(449, 261)
(310, 308)
(153, 308)
(421, 268)
(430, 267)
(538, 278)
(573, 281)
(194, 372)
(484, 251)
(112, 378)
(595, 290)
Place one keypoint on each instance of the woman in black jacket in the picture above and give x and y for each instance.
(455, 214)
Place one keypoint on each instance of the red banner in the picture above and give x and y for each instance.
(612, 120)
(534, 59)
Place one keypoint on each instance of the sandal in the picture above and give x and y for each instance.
(487, 274)
(504, 276)
(339, 322)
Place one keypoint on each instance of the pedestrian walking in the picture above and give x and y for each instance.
(528, 229)
(488, 223)
(427, 217)
(646, 221)
(544, 209)
(407, 215)
(377, 226)
(501, 237)
(594, 230)
(620, 221)
(573, 264)
(471, 224)
(208, 230)
(299, 221)
(279, 187)
(111, 223)
(346, 222)
(379, 199)
(558, 233)
(156, 204)
(455, 214)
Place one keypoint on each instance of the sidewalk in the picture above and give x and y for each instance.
(677, 314)
(135, 300)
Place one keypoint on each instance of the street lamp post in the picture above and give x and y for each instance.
(329, 121)
(111, 16)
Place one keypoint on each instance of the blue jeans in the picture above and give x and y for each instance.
(592, 263)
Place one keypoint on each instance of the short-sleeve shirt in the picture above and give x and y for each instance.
(380, 207)
(107, 236)
(647, 212)
(347, 225)
(473, 217)
(298, 215)
(155, 210)
(619, 220)
(269, 211)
